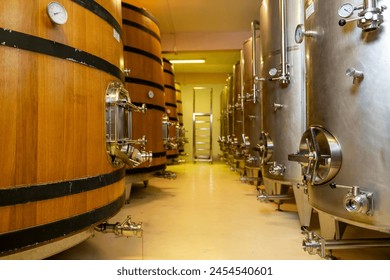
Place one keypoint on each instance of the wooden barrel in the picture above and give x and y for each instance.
(179, 103)
(170, 106)
(56, 181)
(145, 83)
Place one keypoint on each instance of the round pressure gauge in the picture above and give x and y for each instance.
(150, 94)
(346, 10)
(57, 13)
(299, 33)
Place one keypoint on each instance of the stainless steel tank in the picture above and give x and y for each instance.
(224, 122)
(345, 151)
(236, 121)
(283, 100)
(252, 106)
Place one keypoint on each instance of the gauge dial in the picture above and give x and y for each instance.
(299, 33)
(346, 10)
(57, 13)
(150, 94)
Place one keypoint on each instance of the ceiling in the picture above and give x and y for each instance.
(211, 29)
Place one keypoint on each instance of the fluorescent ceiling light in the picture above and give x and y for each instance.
(183, 61)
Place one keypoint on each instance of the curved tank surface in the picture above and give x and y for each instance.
(58, 176)
(344, 153)
(237, 163)
(171, 112)
(145, 83)
(180, 129)
(283, 99)
(224, 119)
(251, 53)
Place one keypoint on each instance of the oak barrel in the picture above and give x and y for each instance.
(56, 181)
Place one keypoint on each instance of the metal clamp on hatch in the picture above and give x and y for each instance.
(265, 147)
(119, 128)
(319, 155)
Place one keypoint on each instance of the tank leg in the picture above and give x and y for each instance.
(330, 228)
(304, 208)
(146, 183)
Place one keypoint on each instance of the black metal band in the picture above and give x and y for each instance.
(180, 114)
(167, 61)
(179, 101)
(144, 53)
(172, 156)
(159, 155)
(140, 11)
(33, 193)
(173, 119)
(170, 73)
(146, 169)
(170, 87)
(18, 240)
(100, 12)
(141, 27)
(144, 82)
(32, 43)
(151, 106)
(170, 105)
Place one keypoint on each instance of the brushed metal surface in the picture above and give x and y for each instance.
(356, 114)
(285, 125)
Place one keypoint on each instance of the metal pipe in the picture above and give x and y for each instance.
(283, 15)
(264, 197)
(315, 244)
(254, 25)
(370, 4)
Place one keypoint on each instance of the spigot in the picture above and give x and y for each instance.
(141, 141)
(120, 157)
(311, 243)
(357, 201)
(251, 159)
(277, 169)
(146, 156)
(238, 106)
(262, 197)
(171, 145)
(127, 72)
(355, 74)
(127, 228)
(278, 106)
(245, 141)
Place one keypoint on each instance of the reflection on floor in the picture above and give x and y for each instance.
(205, 214)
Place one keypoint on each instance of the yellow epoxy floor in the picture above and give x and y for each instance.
(204, 214)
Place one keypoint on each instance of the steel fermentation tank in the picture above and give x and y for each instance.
(283, 99)
(252, 107)
(345, 151)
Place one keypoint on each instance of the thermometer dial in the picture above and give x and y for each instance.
(346, 10)
(57, 13)
(299, 33)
